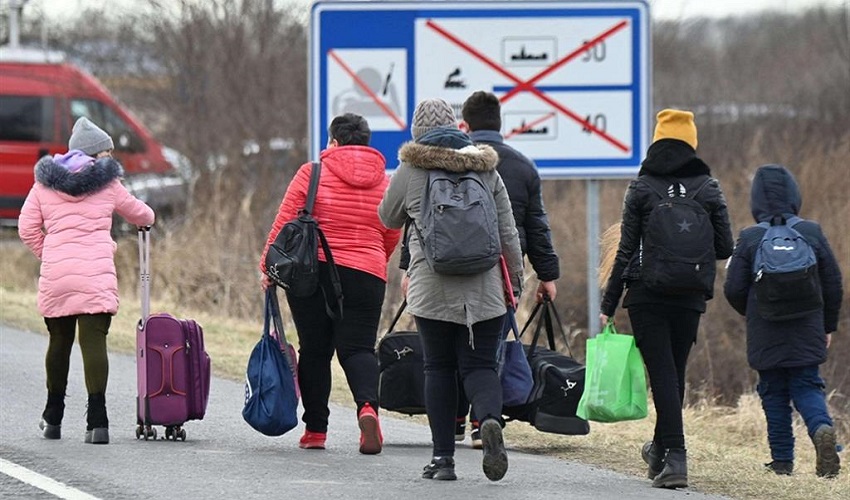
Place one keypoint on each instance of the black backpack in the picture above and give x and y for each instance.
(401, 370)
(458, 224)
(292, 261)
(677, 252)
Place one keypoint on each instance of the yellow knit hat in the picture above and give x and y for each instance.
(676, 124)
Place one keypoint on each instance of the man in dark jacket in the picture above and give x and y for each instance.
(482, 114)
(787, 353)
(483, 118)
(664, 324)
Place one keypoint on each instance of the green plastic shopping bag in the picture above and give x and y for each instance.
(615, 382)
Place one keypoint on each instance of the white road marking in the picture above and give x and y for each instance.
(43, 482)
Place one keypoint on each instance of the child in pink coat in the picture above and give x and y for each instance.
(66, 221)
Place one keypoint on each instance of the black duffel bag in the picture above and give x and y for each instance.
(558, 381)
(401, 370)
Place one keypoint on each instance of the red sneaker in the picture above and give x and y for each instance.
(313, 440)
(371, 440)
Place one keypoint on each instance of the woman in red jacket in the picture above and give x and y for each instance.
(352, 183)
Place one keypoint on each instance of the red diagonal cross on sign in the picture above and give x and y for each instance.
(528, 85)
(528, 126)
(360, 83)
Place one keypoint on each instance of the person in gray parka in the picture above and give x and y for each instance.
(787, 353)
(459, 317)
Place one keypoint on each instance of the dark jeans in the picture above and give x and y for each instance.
(463, 407)
(778, 388)
(447, 355)
(93, 331)
(665, 334)
(352, 337)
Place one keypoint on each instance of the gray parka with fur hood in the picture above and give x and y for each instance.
(464, 299)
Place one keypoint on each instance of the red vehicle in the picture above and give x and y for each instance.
(40, 99)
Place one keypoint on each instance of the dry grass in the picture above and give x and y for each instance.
(727, 446)
(208, 270)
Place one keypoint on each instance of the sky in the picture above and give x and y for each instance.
(661, 9)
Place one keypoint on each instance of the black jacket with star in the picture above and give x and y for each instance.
(675, 161)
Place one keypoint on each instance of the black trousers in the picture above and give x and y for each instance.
(449, 355)
(665, 334)
(352, 338)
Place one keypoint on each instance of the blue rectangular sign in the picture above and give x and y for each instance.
(573, 77)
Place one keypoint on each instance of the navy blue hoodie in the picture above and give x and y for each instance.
(791, 343)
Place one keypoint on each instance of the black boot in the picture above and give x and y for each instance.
(675, 471)
(97, 430)
(653, 455)
(51, 419)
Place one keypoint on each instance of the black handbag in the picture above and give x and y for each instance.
(292, 261)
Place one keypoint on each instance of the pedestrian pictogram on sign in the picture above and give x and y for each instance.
(573, 77)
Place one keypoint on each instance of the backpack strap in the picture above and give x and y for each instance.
(334, 276)
(694, 194)
(315, 173)
(781, 220)
(654, 188)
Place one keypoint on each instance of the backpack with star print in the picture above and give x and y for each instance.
(677, 250)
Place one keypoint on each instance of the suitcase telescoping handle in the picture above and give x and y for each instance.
(145, 270)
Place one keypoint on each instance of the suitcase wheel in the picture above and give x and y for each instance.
(145, 431)
(175, 432)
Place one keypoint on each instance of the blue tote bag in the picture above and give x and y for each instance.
(514, 370)
(271, 400)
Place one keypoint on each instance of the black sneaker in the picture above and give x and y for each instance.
(441, 469)
(828, 464)
(780, 468)
(460, 429)
(495, 463)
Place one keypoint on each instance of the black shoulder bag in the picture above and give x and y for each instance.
(292, 261)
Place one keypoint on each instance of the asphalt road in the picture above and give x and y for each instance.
(224, 458)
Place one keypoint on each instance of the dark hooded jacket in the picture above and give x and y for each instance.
(791, 343)
(670, 159)
(523, 184)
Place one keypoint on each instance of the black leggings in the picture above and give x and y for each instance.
(352, 337)
(665, 334)
(93, 331)
(447, 355)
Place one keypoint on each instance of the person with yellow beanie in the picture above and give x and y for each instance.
(674, 200)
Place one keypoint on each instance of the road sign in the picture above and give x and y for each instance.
(573, 77)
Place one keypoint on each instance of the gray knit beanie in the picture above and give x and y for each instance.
(431, 114)
(89, 138)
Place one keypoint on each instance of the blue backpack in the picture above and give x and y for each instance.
(785, 272)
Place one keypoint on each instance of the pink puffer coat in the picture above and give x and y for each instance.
(66, 222)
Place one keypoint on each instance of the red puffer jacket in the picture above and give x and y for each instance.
(351, 186)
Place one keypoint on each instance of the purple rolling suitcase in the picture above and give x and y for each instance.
(172, 366)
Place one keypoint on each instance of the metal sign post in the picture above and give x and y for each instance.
(572, 77)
